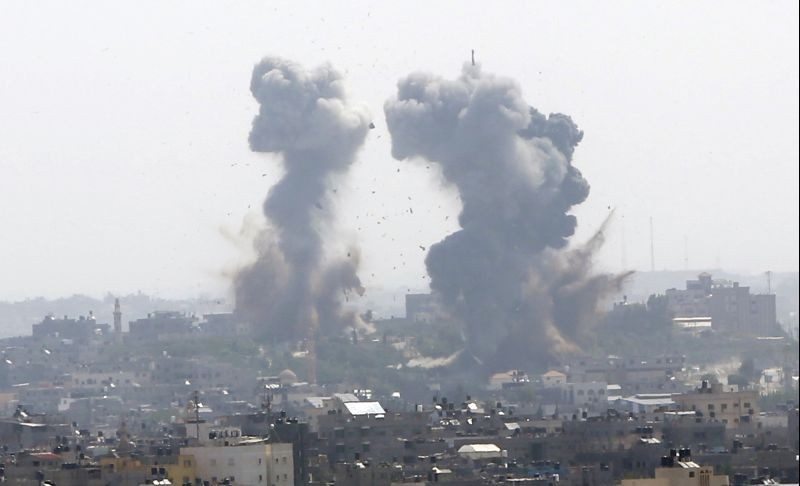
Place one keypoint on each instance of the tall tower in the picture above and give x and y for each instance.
(117, 318)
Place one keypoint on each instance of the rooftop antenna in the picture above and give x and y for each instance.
(652, 251)
(473, 57)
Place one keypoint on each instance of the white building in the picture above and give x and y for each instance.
(586, 395)
(481, 451)
(649, 402)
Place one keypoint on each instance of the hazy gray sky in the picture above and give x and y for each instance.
(120, 122)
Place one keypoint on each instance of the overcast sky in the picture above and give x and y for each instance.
(123, 131)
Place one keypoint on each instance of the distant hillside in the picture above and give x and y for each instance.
(16, 318)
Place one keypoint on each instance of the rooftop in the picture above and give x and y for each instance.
(364, 408)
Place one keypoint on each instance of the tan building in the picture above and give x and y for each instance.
(681, 476)
(678, 469)
(553, 379)
(714, 402)
(249, 462)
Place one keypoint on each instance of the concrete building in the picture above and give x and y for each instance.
(253, 462)
(78, 330)
(732, 407)
(634, 374)
(591, 395)
(731, 307)
(508, 379)
(679, 470)
(161, 323)
(553, 379)
(648, 403)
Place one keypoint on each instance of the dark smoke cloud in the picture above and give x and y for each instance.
(304, 117)
(506, 275)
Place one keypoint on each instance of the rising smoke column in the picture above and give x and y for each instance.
(305, 118)
(506, 274)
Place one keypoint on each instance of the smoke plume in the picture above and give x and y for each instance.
(305, 118)
(507, 275)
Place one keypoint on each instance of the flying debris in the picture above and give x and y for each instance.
(371, 126)
(506, 274)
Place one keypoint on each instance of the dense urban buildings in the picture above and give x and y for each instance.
(179, 399)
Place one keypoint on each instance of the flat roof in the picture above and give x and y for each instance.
(479, 448)
(364, 408)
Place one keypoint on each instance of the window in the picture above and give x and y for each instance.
(711, 406)
(724, 407)
(691, 474)
(746, 404)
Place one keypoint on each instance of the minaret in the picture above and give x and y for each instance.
(117, 319)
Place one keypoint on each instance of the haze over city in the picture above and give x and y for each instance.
(294, 243)
(126, 163)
